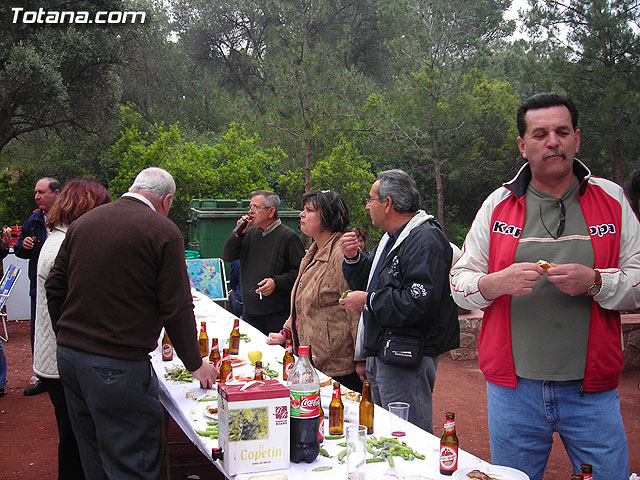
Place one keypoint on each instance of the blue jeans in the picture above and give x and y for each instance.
(3, 367)
(522, 421)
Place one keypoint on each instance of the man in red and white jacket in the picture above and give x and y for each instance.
(550, 344)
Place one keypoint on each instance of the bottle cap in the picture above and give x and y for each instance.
(303, 350)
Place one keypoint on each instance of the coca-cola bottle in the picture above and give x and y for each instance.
(304, 391)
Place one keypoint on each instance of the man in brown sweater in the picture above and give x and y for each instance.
(120, 276)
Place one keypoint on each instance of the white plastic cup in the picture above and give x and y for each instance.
(398, 417)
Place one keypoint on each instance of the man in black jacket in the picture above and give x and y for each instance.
(403, 291)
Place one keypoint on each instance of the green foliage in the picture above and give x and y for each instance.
(427, 86)
(229, 169)
(56, 77)
(16, 200)
(481, 157)
(345, 171)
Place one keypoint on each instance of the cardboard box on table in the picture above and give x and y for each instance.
(253, 426)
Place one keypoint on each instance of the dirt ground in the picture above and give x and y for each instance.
(28, 435)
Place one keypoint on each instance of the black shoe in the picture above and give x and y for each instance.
(36, 389)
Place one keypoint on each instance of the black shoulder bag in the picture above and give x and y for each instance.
(402, 347)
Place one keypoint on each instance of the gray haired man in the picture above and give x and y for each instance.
(403, 291)
(119, 278)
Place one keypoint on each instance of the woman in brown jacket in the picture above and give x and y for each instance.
(316, 318)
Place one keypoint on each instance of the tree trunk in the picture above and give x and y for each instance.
(307, 165)
(618, 175)
(437, 174)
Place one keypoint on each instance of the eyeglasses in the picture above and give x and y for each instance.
(368, 200)
(563, 217)
(255, 207)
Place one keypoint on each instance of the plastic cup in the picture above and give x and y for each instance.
(356, 449)
(398, 416)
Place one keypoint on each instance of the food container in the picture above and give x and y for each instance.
(253, 426)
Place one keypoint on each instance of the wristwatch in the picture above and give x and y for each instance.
(594, 288)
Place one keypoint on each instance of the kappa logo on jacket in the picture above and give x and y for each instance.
(506, 229)
(602, 230)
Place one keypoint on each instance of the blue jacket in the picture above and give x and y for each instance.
(36, 223)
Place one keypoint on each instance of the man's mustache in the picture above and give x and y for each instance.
(554, 153)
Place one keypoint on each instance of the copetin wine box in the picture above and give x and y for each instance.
(253, 426)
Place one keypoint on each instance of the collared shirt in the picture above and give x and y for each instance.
(271, 227)
(141, 198)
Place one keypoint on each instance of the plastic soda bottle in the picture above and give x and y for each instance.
(304, 391)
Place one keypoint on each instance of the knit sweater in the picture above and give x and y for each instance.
(119, 277)
(276, 255)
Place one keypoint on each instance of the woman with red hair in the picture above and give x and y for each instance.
(76, 198)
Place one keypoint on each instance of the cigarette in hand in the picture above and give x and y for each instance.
(260, 293)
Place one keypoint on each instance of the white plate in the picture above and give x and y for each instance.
(237, 364)
(497, 471)
(212, 416)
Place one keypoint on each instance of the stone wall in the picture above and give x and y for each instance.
(470, 329)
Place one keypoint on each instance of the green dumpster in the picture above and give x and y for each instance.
(211, 221)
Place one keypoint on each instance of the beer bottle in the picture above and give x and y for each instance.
(449, 446)
(366, 407)
(203, 340)
(214, 356)
(288, 360)
(586, 471)
(336, 412)
(258, 374)
(167, 348)
(234, 339)
(226, 370)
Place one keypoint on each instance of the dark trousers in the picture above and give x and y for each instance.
(266, 323)
(69, 464)
(32, 329)
(116, 414)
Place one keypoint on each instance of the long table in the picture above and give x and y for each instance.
(190, 416)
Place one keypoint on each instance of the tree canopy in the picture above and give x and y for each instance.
(235, 95)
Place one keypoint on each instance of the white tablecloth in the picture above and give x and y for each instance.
(189, 413)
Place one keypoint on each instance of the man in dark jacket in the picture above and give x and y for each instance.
(402, 288)
(270, 255)
(32, 235)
